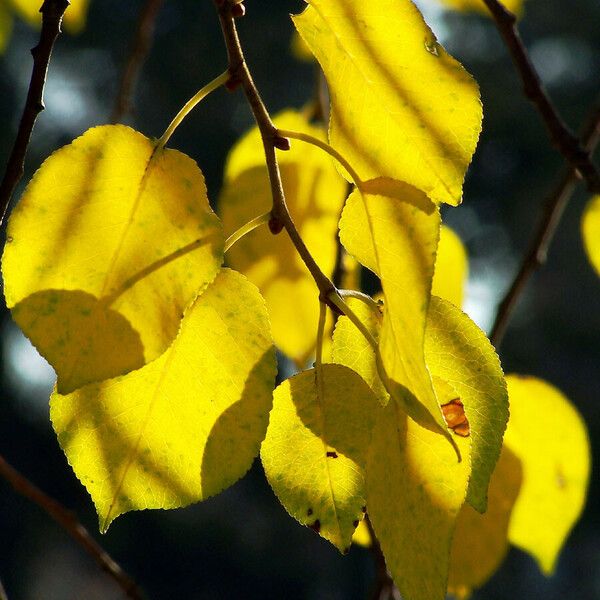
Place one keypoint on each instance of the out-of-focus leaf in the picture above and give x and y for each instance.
(315, 449)
(590, 231)
(401, 107)
(299, 49)
(451, 268)
(549, 437)
(315, 194)
(74, 19)
(110, 242)
(185, 426)
(6, 26)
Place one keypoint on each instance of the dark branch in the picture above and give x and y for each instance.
(544, 234)
(562, 137)
(71, 525)
(3, 595)
(52, 14)
(142, 42)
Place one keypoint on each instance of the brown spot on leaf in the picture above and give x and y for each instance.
(316, 526)
(456, 419)
(309, 512)
(364, 509)
(355, 523)
(332, 454)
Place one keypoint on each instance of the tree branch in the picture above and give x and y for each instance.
(561, 136)
(52, 14)
(544, 234)
(240, 75)
(142, 42)
(71, 525)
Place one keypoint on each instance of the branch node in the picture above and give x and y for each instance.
(238, 10)
(276, 225)
(281, 143)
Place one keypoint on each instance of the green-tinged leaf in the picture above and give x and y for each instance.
(481, 540)
(415, 488)
(396, 237)
(74, 19)
(108, 245)
(315, 449)
(451, 268)
(6, 27)
(459, 353)
(315, 194)
(401, 107)
(515, 6)
(185, 426)
(549, 437)
(590, 231)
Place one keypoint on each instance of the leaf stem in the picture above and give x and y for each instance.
(319, 348)
(310, 139)
(364, 298)
(245, 229)
(222, 79)
(346, 310)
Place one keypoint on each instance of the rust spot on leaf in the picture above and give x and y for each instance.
(364, 509)
(454, 413)
(309, 512)
(332, 454)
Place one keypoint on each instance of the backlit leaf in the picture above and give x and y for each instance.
(185, 426)
(401, 107)
(549, 437)
(451, 268)
(315, 194)
(108, 245)
(315, 449)
(415, 488)
(396, 237)
(460, 354)
(481, 540)
(74, 19)
(362, 535)
(590, 230)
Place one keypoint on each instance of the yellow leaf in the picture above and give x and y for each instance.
(108, 245)
(74, 19)
(185, 426)
(362, 535)
(6, 27)
(415, 488)
(481, 540)
(397, 240)
(515, 6)
(451, 268)
(315, 449)
(401, 107)
(460, 354)
(299, 49)
(315, 194)
(549, 437)
(590, 230)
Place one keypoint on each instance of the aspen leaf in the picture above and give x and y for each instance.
(397, 240)
(480, 541)
(315, 449)
(549, 437)
(315, 194)
(415, 488)
(590, 231)
(74, 19)
(401, 107)
(515, 6)
(108, 245)
(185, 426)
(451, 268)
(460, 354)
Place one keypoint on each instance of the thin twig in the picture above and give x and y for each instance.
(52, 14)
(561, 136)
(71, 525)
(544, 234)
(142, 42)
(240, 75)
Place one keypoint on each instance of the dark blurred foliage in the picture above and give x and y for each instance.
(242, 544)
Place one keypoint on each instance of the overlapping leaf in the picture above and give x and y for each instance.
(110, 242)
(315, 195)
(451, 268)
(401, 107)
(590, 230)
(550, 439)
(315, 449)
(185, 426)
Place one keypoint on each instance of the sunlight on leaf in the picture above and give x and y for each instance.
(590, 231)
(481, 540)
(549, 437)
(401, 107)
(185, 426)
(451, 268)
(362, 535)
(315, 194)
(315, 449)
(108, 229)
(74, 19)
(415, 488)
(515, 6)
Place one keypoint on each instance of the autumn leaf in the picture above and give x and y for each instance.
(74, 19)
(315, 449)
(185, 426)
(451, 268)
(590, 231)
(110, 242)
(315, 194)
(401, 107)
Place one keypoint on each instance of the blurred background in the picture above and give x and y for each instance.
(242, 544)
